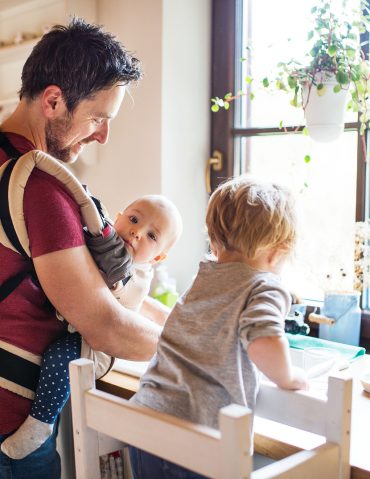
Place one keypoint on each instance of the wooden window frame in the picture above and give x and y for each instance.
(223, 133)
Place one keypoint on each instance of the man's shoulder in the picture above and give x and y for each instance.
(42, 186)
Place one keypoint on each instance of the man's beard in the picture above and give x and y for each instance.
(55, 133)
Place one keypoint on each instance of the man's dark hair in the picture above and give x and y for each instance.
(81, 59)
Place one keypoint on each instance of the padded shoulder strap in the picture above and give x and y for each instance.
(18, 180)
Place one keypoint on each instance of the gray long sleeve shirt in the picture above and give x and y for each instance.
(202, 363)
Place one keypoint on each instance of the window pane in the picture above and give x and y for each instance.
(274, 37)
(326, 205)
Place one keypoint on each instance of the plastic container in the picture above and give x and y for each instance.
(345, 310)
(164, 287)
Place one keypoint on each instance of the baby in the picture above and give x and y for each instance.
(230, 323)
(149, 227)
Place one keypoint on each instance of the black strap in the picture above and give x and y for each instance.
(19, 370)
(5, 217)
(8, 147)
(12, 283)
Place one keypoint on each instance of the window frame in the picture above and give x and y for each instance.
(225, 26)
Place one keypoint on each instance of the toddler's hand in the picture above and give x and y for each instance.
(299, 379)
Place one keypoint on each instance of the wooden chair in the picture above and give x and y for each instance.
(223, 454)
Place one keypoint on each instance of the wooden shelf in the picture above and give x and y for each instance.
(14, 53)
(10, 8)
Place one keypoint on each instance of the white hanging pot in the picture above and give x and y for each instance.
(324, 109)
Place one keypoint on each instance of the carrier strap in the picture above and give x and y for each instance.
(8, 147)
(6, 221)
(19, 370)
(12, 283)
(5, 217)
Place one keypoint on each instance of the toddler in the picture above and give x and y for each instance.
(230, 324)
(149, 228)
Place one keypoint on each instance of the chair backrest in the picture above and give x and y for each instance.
(328, 416)
(222, 454)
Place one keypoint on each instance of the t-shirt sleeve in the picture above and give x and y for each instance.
(264, 315)
(52, 216)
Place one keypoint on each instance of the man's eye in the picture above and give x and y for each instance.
(133, 219)
(152, 236)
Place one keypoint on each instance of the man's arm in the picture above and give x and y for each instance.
(73, 284)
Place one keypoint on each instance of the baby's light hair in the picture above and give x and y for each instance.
(247, 215)
(170, 208)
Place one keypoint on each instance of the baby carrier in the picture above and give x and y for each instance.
(19, 369)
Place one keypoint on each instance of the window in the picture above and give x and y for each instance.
(248, 135)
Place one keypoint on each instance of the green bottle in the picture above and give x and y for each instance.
(164, 287)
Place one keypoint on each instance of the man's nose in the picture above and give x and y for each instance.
(102, 133)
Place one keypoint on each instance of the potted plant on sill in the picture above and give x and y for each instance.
(336, 74)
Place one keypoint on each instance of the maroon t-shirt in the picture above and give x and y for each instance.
(53, 223)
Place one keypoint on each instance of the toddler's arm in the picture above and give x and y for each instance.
(271, 356)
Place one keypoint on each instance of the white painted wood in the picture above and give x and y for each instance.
(143, 427)
(85, 439)
(338, 419)
(276, 404)
(236, 450)
(220, 454)
(329, 417)
(320, 463)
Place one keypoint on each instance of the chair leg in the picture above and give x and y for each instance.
(85, 439)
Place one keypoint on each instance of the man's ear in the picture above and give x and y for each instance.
(159, 258)
(52, 102)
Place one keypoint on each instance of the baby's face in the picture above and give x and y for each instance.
(145, 228)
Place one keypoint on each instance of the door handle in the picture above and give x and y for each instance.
(213, 163)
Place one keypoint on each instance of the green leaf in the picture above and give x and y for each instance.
(251, 96)
(313, 9)
(337, 88)
(305, 131)
(351, 53)
(310, 35)
(332, 50)
(307, 159)
(281, 125)
(228, 95)
(215, 108)
(292, 82)
(342, 77)
(265, 82)
(248, 79)
(226, 105)
(356, 72)
(321, 89)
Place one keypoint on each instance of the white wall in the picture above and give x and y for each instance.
(160, 140)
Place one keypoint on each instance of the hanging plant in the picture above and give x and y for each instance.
(335, 64)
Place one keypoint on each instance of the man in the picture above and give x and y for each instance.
(73, 84)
